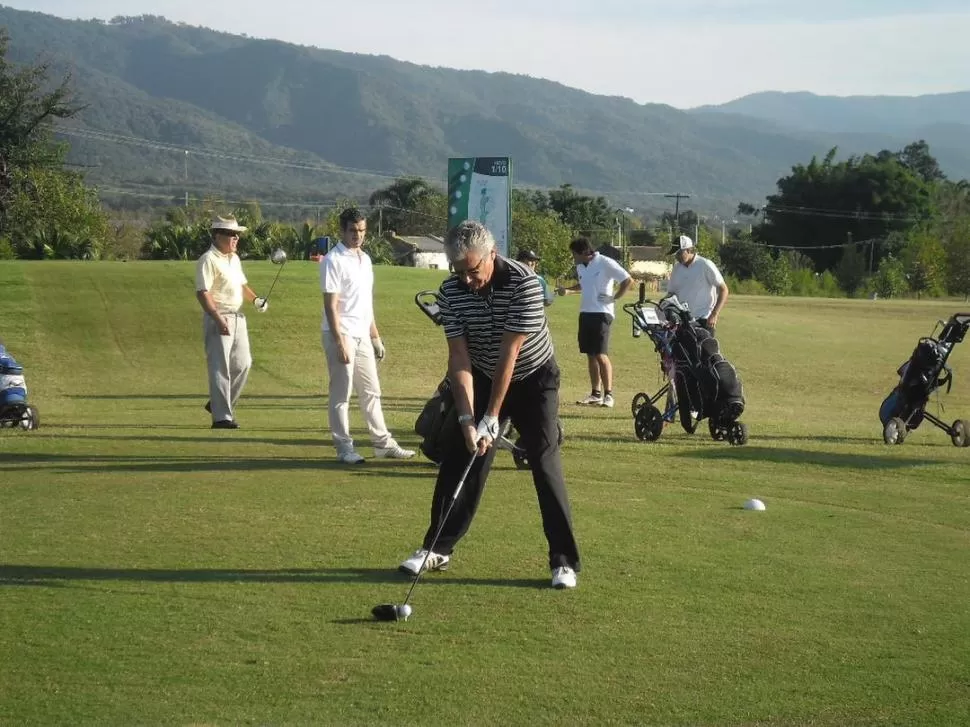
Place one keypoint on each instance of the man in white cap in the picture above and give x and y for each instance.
(696, 281)
(221, 288)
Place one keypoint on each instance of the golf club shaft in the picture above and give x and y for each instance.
(441, 525)
(274, 281)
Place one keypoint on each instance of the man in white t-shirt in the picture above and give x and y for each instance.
(221, 289)
(597, 275)
(696, 281)
(352, 342)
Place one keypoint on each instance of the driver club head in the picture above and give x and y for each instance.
(278, 256)
(391, 612)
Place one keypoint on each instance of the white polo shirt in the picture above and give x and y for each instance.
(222, 275)
(696, 285)
(351, 277)
(596, 278)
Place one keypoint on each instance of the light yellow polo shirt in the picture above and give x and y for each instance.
(221, 275)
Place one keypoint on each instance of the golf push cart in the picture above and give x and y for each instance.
(924, 374)
(14, 409)
(699, 383)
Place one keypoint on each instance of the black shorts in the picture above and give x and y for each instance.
(594, 333)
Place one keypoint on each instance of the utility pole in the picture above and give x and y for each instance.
(186, 177)
(380, 220)
(677, 197)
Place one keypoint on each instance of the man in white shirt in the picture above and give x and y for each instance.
(696, 281)
(221, 288)
(352, 342)
(597, 275)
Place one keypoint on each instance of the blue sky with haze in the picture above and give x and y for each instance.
(684, 53)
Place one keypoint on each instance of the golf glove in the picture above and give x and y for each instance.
(378, 345)
(605, 298)
(262, 305)
(488, 427)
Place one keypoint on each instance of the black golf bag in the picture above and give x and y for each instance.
(437, 416)
(923, 374)
(707, 384)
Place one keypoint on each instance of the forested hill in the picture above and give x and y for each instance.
(278, 120)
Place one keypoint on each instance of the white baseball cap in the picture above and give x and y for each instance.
(681, 242)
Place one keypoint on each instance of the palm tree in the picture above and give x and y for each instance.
(395, 203)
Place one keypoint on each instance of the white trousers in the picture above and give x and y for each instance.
(229, 361)
(359, 375)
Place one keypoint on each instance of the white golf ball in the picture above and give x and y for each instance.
(754, 504)
(403, 612)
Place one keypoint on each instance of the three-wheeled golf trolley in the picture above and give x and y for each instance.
(698, 382)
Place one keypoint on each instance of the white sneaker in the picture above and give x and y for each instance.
(607, 401)
(395, 451)
(563, 577)
(436, 561)
(591, 400)
(350, 457)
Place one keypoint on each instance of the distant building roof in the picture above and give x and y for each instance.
(647, 252)
(420, 243)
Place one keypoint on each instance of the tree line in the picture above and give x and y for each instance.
(887, 224)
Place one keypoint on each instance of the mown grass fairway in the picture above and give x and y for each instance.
(153, 571)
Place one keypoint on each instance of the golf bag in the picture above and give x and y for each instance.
(437, 416)
(14, 409)
(922, 375)
(707, 384)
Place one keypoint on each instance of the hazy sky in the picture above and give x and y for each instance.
(681, 52)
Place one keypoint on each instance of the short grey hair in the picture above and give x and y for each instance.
(468, 236)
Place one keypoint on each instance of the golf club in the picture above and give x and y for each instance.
(400, 612)
(278, 257)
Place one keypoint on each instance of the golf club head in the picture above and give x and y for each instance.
(391, 612)
(278, 256)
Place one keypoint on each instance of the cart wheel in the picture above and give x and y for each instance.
(894, 432)
(961, 433)
(737, 434)
(648, 423)
(718, 433)
(638, 401)
(30, 418)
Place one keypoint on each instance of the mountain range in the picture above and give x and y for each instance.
(174, 109)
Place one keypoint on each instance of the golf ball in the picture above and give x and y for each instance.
(754, 504)
(403, 612)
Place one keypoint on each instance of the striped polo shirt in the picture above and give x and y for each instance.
(513, 302)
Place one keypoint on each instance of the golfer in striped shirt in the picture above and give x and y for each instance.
(500, 363)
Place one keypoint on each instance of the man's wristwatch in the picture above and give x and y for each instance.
(466, 418)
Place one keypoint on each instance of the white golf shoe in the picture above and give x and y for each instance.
(563, 577)
(591, 400)
(395, 451)
(435, 561)
(607, 401)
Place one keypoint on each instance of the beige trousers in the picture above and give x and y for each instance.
(229, 361)
(359, 375)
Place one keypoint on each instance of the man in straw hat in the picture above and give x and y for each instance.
(221, 288)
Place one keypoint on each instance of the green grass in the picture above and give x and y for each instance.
(153, 571)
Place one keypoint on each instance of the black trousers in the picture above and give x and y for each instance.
(533, 405)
